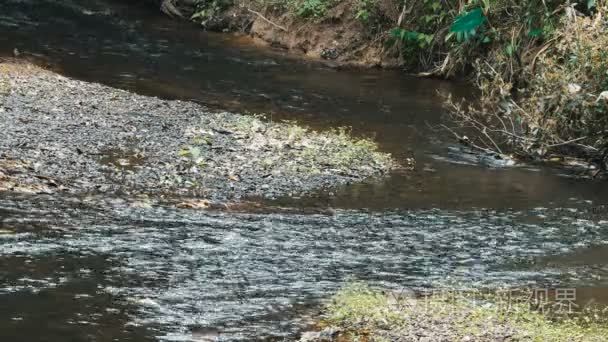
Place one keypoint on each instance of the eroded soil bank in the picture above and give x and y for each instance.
(59, 134)
(338, 36)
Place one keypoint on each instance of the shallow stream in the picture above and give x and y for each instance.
(101, 269)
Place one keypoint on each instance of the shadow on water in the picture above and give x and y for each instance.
(56, 297)
(101, 269)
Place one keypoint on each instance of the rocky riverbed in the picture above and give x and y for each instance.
(60, 134)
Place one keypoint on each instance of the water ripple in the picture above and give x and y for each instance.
(243, 273)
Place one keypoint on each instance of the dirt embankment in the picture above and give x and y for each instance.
(338, 37)
(60, 134)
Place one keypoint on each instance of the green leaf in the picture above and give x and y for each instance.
(409, 36)
(460, 36)
(396, 33)
(535, 32)
(510, 49)
(590, 4)
(467, 22)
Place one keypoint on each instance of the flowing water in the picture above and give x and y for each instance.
(100, 269)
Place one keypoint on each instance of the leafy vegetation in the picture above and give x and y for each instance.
(361, 312)
(312, 8)
(311, 153)
(467, 24)
(544, 89)
(208, 10)
(367, 11)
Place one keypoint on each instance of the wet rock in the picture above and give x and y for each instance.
(330, 53)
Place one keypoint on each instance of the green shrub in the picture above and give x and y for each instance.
(208, 10)
(546, 93)
(467, 24)
(367, 11)
(312, 8)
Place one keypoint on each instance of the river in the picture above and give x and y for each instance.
(95, 268)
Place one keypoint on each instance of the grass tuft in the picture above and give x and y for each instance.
(361, 312)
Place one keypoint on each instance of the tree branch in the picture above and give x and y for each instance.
(267, 20)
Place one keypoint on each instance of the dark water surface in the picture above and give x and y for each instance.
(101, 269)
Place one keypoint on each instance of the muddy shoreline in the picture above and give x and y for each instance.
(60, 134)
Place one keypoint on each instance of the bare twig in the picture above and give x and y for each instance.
(168, 7)
(512, 135)
(404, 11)
(501, 121)
(468, 142)
(512, 123)
(267, 20)
(567, 142)
(483, 129)
(438, 70)
(542, 50)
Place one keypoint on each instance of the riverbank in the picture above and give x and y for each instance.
(60, 134)
(359, 312)
(539, 68)
(344, 34)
